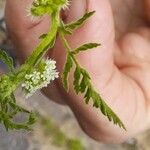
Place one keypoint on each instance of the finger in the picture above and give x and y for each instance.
(23, 31)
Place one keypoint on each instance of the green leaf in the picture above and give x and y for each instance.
(7, 60)
(111, 115)
(86, 74)
(85, 47)
(77, 76)
(63, 29)
(85, 81)
(32, 119)
(6, 87)
(88, 95)
(98, 102)
(18, 108)
(67, 68)
(74, 144)
(13, 97)
(18, 126)
(43, 36)
(80, 22)
(83, 85)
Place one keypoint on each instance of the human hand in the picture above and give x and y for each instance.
(119, 68)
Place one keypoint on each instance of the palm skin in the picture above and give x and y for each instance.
(119, 69)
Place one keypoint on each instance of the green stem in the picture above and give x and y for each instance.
(68, 48)
(38, 53)
(65, 42)
(41, 49)
(36, 56)
(46, 43)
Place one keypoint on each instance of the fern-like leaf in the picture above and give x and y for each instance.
(82, 84)
(85, 47)
(67, 68)
(77, 76)
(7, 60)
(80, 22)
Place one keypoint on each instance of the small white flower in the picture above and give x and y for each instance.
(40, 78)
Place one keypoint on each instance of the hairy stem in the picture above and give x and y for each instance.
(46, 42)
(40, 50)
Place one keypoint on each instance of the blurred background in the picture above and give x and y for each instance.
(56, 128)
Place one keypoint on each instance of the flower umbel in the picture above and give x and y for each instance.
(40, 77)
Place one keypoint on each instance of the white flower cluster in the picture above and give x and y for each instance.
(40, 77)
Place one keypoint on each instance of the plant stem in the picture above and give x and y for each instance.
(40, 50)
(46, 43)
(68, 48)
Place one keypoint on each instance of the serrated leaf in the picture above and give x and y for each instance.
(76, 83)
(32, 119)
(85, 47)
(84, 82)
(64, 30)
(13, 97)
(80, 22)
(95, 97)
(106, 110)
(80, 86)
(86, 74)
(83, 85)
(42, 36)
(6, 87)
(67, 68)
(7, 60)
(98, 102)
(18, 108)
(18, 126)
(88, 95)
(67, 31)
